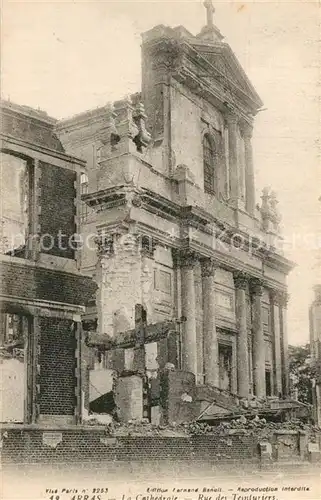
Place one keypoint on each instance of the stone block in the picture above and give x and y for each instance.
(100, 383)
(156, 415)
(265, 451)
(314, 452)
(129, 398)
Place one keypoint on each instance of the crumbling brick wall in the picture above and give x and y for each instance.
(92, 445)
(32, 283)
(57, 215)
(57, 366)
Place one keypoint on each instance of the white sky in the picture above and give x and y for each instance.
(69, 56)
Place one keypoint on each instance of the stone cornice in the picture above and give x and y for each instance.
(114, 196)
(192, 216)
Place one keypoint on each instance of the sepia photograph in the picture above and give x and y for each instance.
(160, 250)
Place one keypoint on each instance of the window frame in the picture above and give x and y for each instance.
(209, 164)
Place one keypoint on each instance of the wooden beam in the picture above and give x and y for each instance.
(142, 334)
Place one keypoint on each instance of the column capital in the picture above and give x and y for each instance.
(275, 297)
(284, 299)
(188, 259)
(208, 266)
(240, 280)
(231, 118)
(247, 130)
(105, 244)
(256, 286)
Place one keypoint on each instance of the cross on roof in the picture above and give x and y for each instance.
(209, 12)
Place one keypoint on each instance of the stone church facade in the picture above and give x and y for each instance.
(170, 191)
(172, 236)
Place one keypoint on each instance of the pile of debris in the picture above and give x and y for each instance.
(252, 426)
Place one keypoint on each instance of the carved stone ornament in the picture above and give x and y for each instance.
(143, 138)
(51, 439)
(167, 53)
(240, 280)
(208, 267)
(269, 211)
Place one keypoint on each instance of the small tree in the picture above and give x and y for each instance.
(301, 371)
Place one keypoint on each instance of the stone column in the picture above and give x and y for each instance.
(284, 344)
(275, 305)
(232, 124)
(258, 340)
(189, 344)
(249, 170)
(243, 383)
(209, 329)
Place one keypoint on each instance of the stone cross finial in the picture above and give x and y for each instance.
(209, 12)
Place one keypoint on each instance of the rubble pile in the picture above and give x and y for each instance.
(248, 427)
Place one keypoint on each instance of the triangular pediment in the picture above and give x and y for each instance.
(228, 72)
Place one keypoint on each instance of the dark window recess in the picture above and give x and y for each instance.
(268, 383)
(225, 367)
(209, 165)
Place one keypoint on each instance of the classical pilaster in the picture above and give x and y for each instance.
(209, 328)
(241, 282)
(258, 339)
(232, 124)
(284, 298)
(249, 169)
(275, 306)
(189, 343)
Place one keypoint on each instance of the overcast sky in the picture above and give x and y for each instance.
(69, 56)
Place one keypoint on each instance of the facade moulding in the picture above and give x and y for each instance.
(190, 215)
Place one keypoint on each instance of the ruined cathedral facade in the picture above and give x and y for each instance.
(174, 295)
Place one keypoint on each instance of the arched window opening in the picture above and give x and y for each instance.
(209, 165)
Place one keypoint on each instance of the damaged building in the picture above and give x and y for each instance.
(168, 301)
